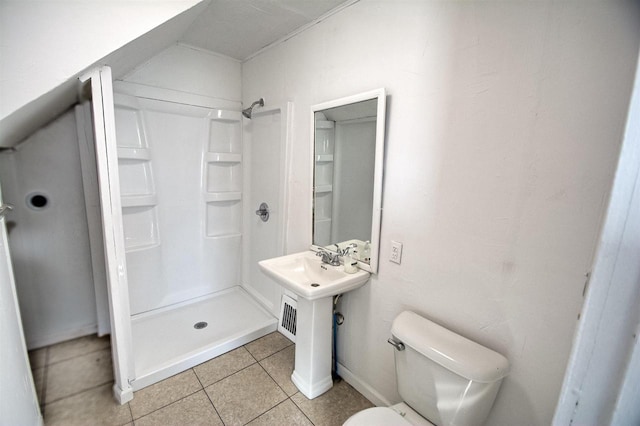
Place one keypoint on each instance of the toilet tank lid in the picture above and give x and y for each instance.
(452, 351)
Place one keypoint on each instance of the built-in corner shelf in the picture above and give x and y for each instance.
(212, 197)
(222, 157)
(129, 201)
(222, 192)
(137, 189)
(324, 158)
(325, 124)
(323, 189)
(128, 153)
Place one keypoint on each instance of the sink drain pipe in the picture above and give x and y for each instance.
(338, 319)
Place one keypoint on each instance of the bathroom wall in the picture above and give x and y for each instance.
(182, 222)
(47, 45)
(49, 245)
(36, 50)
(187, 69)
(503, 129)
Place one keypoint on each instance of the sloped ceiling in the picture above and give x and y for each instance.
(239, 28)
(47, 44)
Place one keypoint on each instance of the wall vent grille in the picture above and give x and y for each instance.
(288, 317)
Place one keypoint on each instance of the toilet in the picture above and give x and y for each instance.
(443, 378)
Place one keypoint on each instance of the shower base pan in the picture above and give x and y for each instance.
(173, 339)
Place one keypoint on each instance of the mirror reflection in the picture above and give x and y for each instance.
(344, 167)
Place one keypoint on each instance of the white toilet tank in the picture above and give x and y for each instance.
(446, 378)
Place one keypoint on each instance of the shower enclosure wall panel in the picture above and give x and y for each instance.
(181, 182)
(169, 214)
(266, 156)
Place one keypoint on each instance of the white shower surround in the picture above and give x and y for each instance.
(182, 182)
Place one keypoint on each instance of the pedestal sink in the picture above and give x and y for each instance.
(315, 284)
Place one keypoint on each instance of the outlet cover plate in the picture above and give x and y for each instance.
(396, 252)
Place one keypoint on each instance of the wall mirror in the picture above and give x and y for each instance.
(348, 149)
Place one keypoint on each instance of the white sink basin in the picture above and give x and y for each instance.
(304, 274)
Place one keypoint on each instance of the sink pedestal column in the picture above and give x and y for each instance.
(312, 371)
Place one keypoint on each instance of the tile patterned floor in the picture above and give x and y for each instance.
(249, 385)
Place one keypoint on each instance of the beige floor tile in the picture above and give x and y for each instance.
(334, 407)
(37, 358)
(92, 407)
(245, 395)
(78, 374)
(38, 381)
(81, 346)
(225, 365)
(280, 367)
(268, 345)
(284, 414)
(164, 393)
(195, 409)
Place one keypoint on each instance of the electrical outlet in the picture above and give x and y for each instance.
(396, 252)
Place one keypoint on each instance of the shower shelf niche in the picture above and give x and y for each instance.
(223, 175)
(137, 189)
(141, 154)
(222, 157)
(324, 158)
(139, 200)
(323, 188)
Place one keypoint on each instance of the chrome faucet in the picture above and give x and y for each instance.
(333, 259)
(329, 258)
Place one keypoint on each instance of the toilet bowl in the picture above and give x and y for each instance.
(396, 415)
(443, 378)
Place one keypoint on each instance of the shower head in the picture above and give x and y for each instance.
(247, 112)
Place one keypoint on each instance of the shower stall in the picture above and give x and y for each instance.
(171, 185)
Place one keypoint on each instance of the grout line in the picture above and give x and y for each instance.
(252, 356)
(267, 410)
(75, 356)
(172, 402)
(274, 380)
(131, 413)
(300, 408)
(208, 397)
(276, 352)
(166, 405)
(229, 375)
(45, 373)
(79, 392)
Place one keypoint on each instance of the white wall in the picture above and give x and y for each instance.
(503, 129)
(50, 247)
(46, 43)
(191, 70)
(18, 400)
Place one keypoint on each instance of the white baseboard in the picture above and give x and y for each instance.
(122, 395)
(363, 387)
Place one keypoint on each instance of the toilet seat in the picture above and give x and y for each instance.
(377, 416)
(385, 416)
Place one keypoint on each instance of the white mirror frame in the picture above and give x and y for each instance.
(376, 214)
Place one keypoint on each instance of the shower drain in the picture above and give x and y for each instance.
(200, 325)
